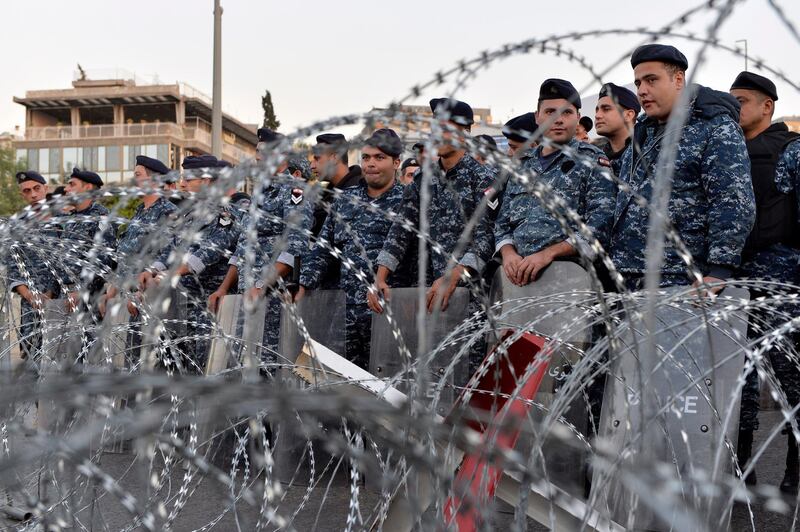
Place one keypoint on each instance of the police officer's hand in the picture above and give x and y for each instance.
(379, 290)
(254, 294)
(101, 305)
(215, 298)
(531, 265)
(710, 287)
(72, 301)
(301, 293)
(511, 263)
(147, 279)
(133, 310)
(443, 288)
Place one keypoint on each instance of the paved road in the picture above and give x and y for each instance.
(327, 505)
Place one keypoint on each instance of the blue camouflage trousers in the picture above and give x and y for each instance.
(778, 263)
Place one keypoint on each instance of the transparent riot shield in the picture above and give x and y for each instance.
(671, 411)
(62, 339)
(553, 307)
(319, 315)
(388, 361)
(225, 341)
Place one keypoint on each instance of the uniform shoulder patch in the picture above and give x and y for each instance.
(297, 195)
(491, 198)
(225, 219)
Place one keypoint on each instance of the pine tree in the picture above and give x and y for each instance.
(270, 120)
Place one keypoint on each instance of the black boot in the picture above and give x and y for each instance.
(790, 478)
(744, 449)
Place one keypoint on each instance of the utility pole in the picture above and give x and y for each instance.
(745, 52)
(216, 97)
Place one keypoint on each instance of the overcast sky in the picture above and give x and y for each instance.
(322, 59)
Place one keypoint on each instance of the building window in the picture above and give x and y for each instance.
(90, 158)
(44, 161)
(33, 160)
(55, 160)
(22, 155)
(70, 159)
(163, 154)
(112, 158)
(101, 158)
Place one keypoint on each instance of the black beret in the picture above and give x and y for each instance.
(418, 146)
(387, 141)
(411, 161)
(87, 177)
(199, 161)
(265, 134)
(554, 89)
(748, 80)
(520, 128)
(625, 98)
(331, 138)
(222, 163)
(659, 52)
(152, 164)
(453, 110)
(587, 123)
(239, 196)
(30, 175)
(488, 140)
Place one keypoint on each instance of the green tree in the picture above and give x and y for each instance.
(270, 119)
(10, 199)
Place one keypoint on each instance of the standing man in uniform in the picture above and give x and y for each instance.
(357, 228)
(282, 220)
(711, 206)
(28, 267)
(518, 132)
(771, 253)
(140, 239)
(88, 238)
(199, 253)
(407, 171)
(614, 117)
(457, 187)
(527, 234)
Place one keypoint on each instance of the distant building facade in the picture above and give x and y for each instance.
(103, 124)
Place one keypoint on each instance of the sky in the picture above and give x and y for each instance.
(325, 59)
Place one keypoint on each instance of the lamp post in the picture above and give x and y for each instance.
(745, 51)
(216, 97)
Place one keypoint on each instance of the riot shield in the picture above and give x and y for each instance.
(552, 307)
(225, 341)
(672, 410)
(62, 339)
(293, 452)
(387, 360)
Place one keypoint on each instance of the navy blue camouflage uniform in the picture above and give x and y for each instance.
(526, 222)
(711, 207)
(778, 262)
(357, 227)
(88, 249)
(455, 196)
(206, 255)
(29, 263)
(282, 221)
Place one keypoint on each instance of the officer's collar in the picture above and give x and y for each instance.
(87, 209)
(464, 161)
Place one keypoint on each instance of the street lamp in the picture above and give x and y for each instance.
(216, 97)
(745, 52)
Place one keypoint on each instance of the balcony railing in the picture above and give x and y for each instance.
(194, 129)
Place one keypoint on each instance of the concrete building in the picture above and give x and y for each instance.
(103, 124)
